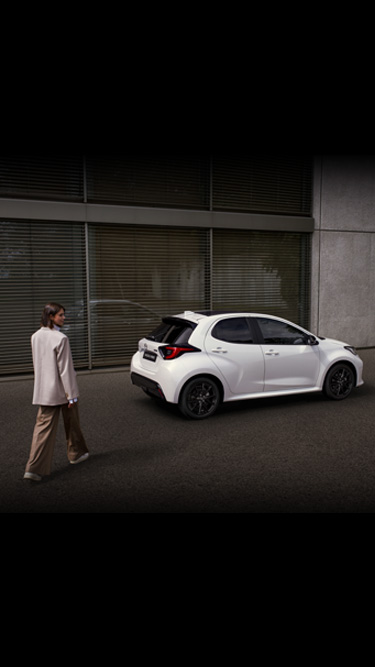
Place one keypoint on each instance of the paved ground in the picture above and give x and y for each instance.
(303, 454)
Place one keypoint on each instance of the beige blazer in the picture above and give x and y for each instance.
(54, 375)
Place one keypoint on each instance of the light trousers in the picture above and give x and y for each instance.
(44, 437)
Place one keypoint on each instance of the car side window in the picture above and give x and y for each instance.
(281, 333)
(236, 330)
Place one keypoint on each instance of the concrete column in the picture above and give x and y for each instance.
(343, 252)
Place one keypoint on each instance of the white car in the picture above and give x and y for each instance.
(199, 360)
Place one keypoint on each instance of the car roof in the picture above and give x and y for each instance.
(196, 317)
(208, 317)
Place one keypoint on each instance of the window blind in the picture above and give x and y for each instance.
(40, 262)
(48, 177)
(263, 272)
(137, 276)
(162, 181)
(265, 184)
(268, 184)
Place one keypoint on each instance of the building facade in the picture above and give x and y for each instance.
(121, 241)
(343, 248)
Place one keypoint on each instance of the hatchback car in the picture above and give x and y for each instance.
(199, 360)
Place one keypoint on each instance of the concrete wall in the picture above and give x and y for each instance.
(343, 253)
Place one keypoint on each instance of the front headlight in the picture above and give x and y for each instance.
(351, 349)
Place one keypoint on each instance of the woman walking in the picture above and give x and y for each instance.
(55, 389)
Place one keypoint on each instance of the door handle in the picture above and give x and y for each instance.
(219, 350)
(271, 353)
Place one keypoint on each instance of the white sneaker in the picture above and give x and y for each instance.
(33, 476)
(84, 457)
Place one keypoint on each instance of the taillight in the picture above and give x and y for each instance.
(169, 352)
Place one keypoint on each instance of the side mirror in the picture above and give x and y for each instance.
(311, 340)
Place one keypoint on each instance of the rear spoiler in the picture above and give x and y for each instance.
(179, 320)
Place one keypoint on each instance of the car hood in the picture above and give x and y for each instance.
(333, 341)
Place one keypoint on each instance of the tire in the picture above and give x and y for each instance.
(340, 382)
(200, 398)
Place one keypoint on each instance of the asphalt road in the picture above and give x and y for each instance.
(300, 454)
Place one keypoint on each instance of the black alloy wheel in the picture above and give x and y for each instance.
(200, 398)
(339, 382)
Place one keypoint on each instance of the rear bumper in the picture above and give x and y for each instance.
(147, 385)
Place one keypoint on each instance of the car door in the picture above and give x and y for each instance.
(230, 345)
(291, 362)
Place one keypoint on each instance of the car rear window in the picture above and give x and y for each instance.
(172, 332)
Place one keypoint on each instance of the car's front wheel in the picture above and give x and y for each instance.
(200, 398)
(339, 382)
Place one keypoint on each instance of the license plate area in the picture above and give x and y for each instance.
(150, 356)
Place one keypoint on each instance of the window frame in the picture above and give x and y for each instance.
(265, 341)
(252, 333)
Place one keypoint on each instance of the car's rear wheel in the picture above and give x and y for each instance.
(340, 382)
(200, 398)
